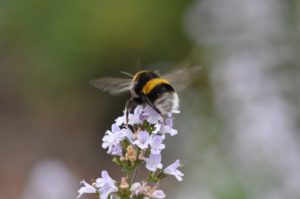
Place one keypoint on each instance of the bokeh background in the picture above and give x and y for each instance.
(239, 127)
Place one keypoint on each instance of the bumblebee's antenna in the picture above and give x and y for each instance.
(126, 73)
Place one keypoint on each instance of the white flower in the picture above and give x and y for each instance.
(86, 188)
(156, 144)
(172, 170)
(106, 185)
(153, 162)
(143, 140)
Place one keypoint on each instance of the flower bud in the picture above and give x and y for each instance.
(130, 154)
(124, 184)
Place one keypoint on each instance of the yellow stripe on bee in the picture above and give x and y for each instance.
(151, 84)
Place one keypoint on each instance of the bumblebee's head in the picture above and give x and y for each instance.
(144, 76)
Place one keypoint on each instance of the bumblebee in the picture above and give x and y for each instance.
(149, 87)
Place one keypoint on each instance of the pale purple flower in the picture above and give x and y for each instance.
(137, 117)
(147, 141)
(156, 144)
(172, 170)
(138, 188)
(153, 162)
(141, 189)
(152, 116)
(157, 128)
(128, 134)
(106, 185)
(121, 120)
(116, 150)
(157, 194)
(167, 127)
(112, 140)
(143, 139)
(86, 188)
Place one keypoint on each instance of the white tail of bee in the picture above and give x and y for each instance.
(167, 102)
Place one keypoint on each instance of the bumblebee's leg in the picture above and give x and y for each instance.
(131, 104)
(148, 101)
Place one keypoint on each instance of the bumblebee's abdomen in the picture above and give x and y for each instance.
(155, 91)
(163, 96)
(155, 84)
(142, 80)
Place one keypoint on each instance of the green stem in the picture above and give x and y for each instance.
(129, 177)
(135, 173)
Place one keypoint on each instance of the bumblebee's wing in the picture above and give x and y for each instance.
(182, 77)
(112, 85)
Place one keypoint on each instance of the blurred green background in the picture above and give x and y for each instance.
(239, 126)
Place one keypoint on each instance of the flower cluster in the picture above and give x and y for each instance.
(136, 140)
